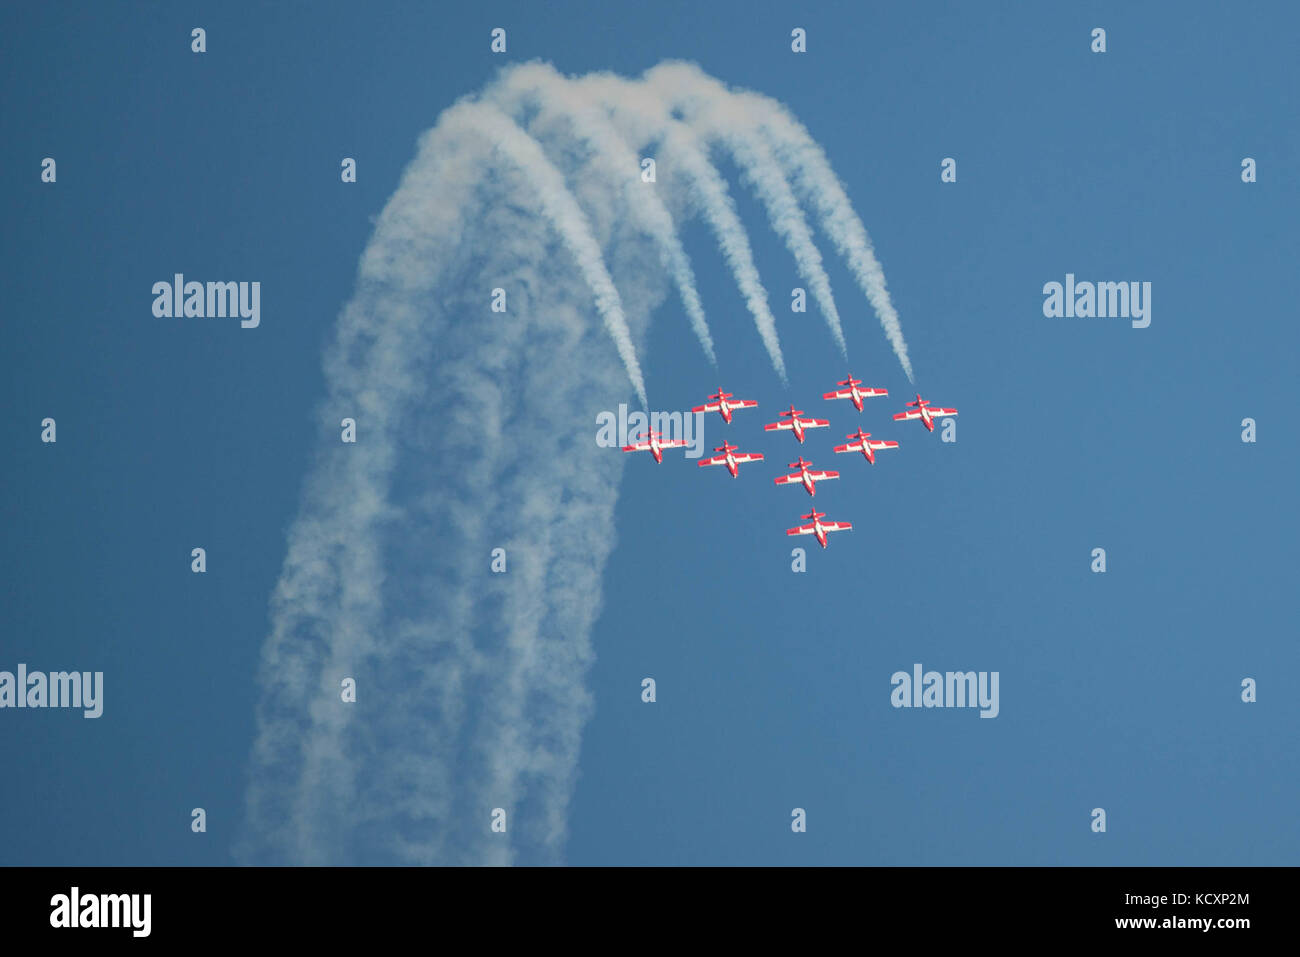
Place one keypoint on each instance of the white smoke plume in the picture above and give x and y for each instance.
(470, 685)
(820, 186)
(541, 87)
(769, 122)
(718, 115)
(563, 212)
(646, 119)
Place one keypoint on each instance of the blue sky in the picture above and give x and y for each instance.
(1119, 691)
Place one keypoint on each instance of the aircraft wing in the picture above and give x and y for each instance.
(907, 416)
(708, 407)
(848, 393)
(749, 457)
(942, 413)
(819, 476)
(716, 460)
(851, 447)
(836, 526)
(814, 423)
(673, 444)
(878, 445)
(778, 426)
(788, 479)
(637, 446)
(745, 404)
(803, 530)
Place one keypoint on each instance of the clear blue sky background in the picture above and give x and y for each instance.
(1119, 690)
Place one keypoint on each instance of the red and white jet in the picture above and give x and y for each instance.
(924, 411)
(853, 392)
(722, 402)
(809, 477)
(730, 459)
(655, 443)
(862, 442)
(818, 527)
(795, 424)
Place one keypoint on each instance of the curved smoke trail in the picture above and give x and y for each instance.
(718, 115)
(540, 86)
(470, 685)
(645, 119)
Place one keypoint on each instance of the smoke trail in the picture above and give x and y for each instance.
(564, 213)
(820, 186)
(545, 89)
(816, 182)
(713, 112)
(764, 174)
(470, 685)
(645, 118)
(387, 577)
